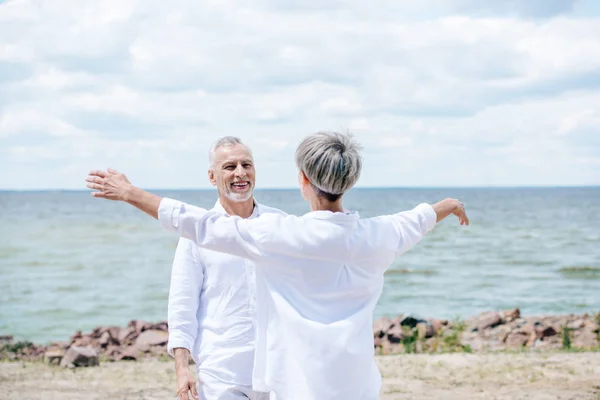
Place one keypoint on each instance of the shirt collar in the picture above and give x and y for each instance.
(255, 212)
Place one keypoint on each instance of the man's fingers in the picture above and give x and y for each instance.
(99, 195)
(183, 394)
(95, 179)
(98, 172)
(194, 390)
(94, 186)
(112, 171)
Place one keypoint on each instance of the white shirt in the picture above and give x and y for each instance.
(319, 277)
(212, 308)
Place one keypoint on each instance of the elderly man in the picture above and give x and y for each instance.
(212, 296)
(319, 276)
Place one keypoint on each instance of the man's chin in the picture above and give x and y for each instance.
(239, 197)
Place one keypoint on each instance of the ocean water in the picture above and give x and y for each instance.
(69, 261)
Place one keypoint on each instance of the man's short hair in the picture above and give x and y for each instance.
(331, 161)
(225, 141)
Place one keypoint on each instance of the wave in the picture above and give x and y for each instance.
(583, 271)
(405, 271)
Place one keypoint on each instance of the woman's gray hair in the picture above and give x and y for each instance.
(225, 141)
(331, 161)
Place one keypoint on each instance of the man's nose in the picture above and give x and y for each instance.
(240, 171)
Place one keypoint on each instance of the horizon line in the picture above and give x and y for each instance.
(558, 186)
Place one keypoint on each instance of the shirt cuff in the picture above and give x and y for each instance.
(168, 213)
(429, 213)
(179, 339)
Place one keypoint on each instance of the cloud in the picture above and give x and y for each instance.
(459, 92)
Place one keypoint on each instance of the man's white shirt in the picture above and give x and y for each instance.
(318, 280)
(212, 309)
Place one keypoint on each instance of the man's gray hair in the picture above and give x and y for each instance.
(225, 141)
(331, 161)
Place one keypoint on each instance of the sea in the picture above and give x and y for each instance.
(71, 262)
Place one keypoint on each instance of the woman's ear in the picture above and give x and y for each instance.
(302, 179)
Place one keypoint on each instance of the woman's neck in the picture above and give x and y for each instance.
(318, 203)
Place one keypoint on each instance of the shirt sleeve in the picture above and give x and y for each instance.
(412, 226)
(187, 276)
(210, 230)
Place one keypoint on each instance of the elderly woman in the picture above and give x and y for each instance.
(318, 276)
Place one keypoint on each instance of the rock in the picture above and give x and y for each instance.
(395, 334)
(544, 332)
(83, 341)
(139, 326)
(127, 335)
(115, 332)
(151, 338)
(585, 340)
(529, 328)
(161, 326)
(381, 326)
(391, 348)
(516, 339)
(54, 356)
(410, 321)
(425, 330)
(533, 339)
(129, 353)
(76, 335)
(592, 326)
(98, 331)
(105, 339)
(59, 345)
(6, 339)
(488, 320)
(577, 324)
(438, 324)
(502, 332)
(511, 315)
(396, 320)
(158, 350)
(79, 357)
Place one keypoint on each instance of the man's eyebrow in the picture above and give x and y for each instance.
(245, 161)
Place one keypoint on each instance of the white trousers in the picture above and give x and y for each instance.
(213, 389)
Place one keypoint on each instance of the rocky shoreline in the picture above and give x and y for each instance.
(487, 332)
(490, 331)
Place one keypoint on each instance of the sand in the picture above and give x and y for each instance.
(532, 376)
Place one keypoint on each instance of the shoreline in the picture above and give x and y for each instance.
(493, 331)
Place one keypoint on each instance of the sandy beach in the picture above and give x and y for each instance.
(532, 376)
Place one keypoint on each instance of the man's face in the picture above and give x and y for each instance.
(233, 172)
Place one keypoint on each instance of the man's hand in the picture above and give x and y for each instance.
(451, 206)
(186, 383)
(111, 185)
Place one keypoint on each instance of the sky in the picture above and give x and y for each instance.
(439, 93)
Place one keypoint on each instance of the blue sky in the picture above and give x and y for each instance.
(440, 93)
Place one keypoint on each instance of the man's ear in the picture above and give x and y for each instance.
(211, 177)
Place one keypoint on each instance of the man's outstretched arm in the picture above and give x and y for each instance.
(211, 231)
(113, 185)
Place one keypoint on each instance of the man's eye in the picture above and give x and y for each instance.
(229, 167)
(247, 165)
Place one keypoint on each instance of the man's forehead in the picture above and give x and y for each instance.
(235, 153)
